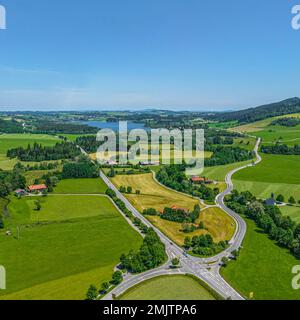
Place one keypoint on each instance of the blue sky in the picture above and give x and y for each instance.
(121, 54)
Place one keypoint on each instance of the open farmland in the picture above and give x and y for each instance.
(219, 225)
(262, 268)
(153, 195)
(11, 141)
(57, 259)
(80, 186)
(278, 174)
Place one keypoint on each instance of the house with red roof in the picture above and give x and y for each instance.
(37, 187)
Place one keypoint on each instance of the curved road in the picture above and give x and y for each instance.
(205, 269)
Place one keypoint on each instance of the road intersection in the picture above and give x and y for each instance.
(207, 270)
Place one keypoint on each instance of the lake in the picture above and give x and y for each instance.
(114, 125)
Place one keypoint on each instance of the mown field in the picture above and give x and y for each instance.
(219, 225)
(168, 288)
(262, 268)
(80, 186)
(153, 195)
(59, 259)
(279, 174)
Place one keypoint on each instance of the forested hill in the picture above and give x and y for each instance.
(259, 113)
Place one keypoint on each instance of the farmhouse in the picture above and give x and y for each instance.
(37, 187)
(199, 180)
(20, 192)
(174, 207)
(149, 163)
(270, 202)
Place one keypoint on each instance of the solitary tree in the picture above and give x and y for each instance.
(280, 198)
(37, 205)
(175, 262)
(225, 261)
(129, 189)
(292, 200)
(91, 293)
(235, 254)
(117, 278)
(104, 287)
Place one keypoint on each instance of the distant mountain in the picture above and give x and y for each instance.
(288, 106)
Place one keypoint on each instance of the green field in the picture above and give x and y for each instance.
(54, 207)
(58, 259)
(168, 288)
(218, 173)
(279, 174)
(271, 134)
(10, 141)
(292, 211)
(80, 186)
(262, 268)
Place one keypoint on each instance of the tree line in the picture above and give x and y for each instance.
(286, 122)
(281, 149)
(280, 228)
(152, 252)
(38, 153)
(174, 177)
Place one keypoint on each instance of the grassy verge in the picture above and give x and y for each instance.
(168, 288)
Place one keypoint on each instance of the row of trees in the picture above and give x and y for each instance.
(286, 122)
(56, 127)
(11, 126)
(225, 155)
(281, 149)
(152, 252)
(38, 153)
(204, 245)
(279, 228)
(93, 292)
(150, 255)
(40, 166)
(280, 198)
(174, 177)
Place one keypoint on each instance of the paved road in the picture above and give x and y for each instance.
(205, 269)
(190, 265)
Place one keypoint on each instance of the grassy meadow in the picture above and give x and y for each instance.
(10, 141)
(168, 288)
(263, 268)
(278, 174)
(60, 250)
(80, 186)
